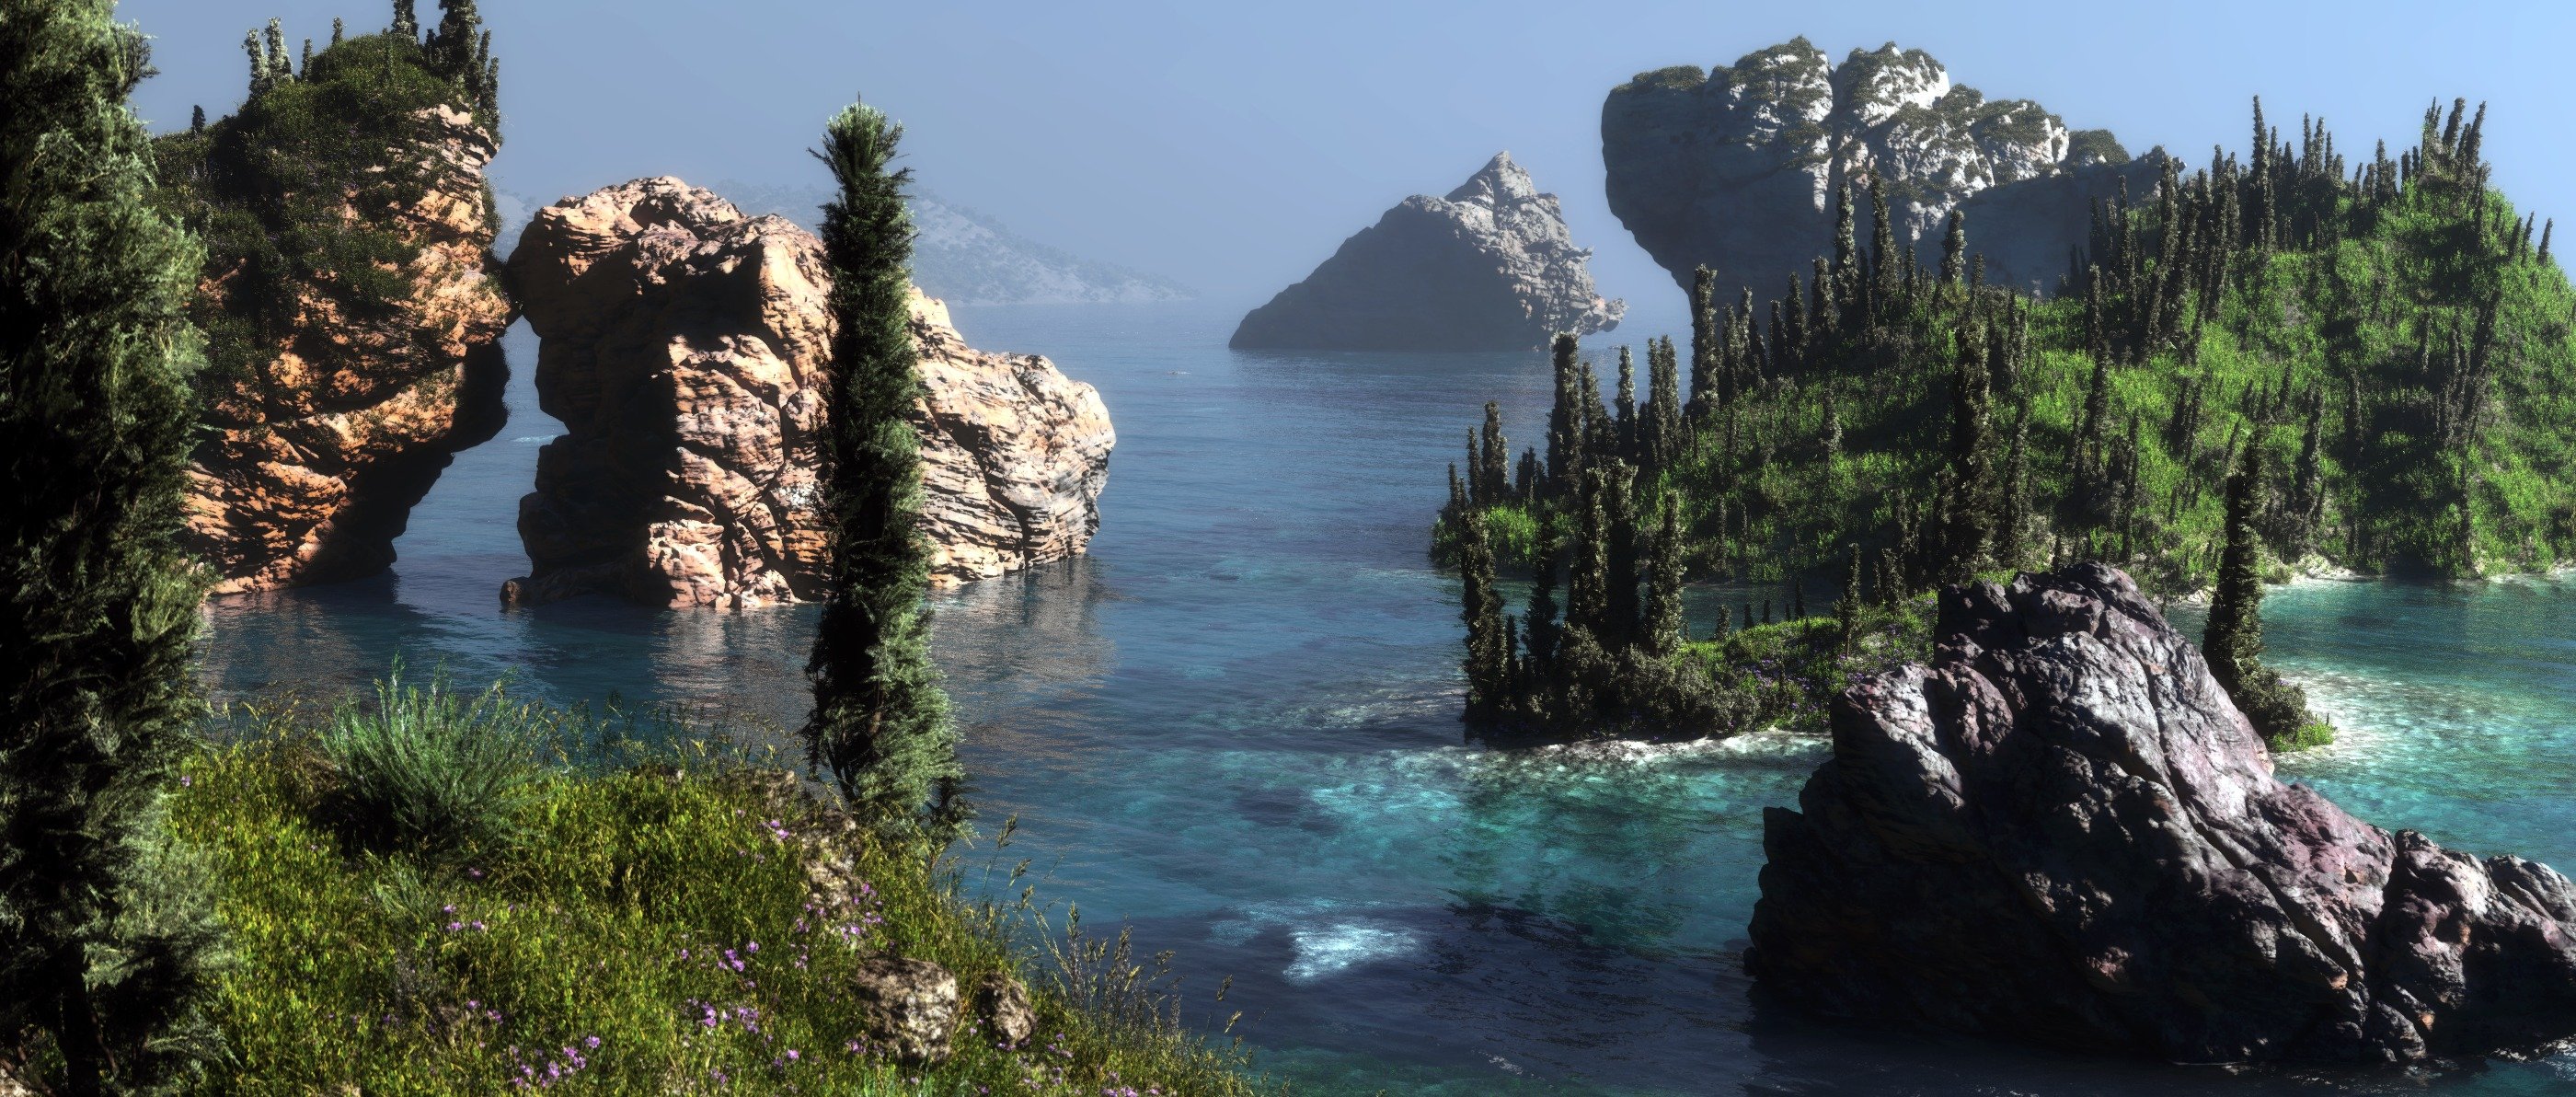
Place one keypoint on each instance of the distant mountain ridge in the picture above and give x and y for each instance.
(961, 256)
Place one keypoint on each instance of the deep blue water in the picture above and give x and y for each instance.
(1233, 726)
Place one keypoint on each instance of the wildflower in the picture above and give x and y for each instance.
(591, 1043)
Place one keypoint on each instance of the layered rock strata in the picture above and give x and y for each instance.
(2061, 831)
(1491, 266)
(1739, 168)
(686, 348)
(317, 455)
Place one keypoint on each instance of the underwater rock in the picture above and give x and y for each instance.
(1739, 169)
(685, 348)
(1489, 267)
(2062, 832)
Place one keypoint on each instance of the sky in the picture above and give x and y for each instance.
(1233, 145)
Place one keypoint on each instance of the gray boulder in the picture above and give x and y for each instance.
(2062, 832)
(907, 1007)
(1488, 267)
(1738, 169)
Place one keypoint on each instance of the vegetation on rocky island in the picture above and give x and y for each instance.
(305, 187)
(2391, 341)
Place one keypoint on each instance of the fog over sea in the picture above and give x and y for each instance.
(1234, 726)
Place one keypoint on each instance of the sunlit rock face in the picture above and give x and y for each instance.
(1739, 169)
(2062, 832)
(1490, 266)
(686, 347)
(315, 456)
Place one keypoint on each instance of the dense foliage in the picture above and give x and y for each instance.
(880, 724)
(303, 189)
(642, 920)
(2393, 340)
(101, 946)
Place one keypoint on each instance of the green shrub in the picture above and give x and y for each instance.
(661, 920)
(430, 770)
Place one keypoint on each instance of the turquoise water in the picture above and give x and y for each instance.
(1233, 726)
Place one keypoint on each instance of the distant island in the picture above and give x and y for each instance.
(1489, 266)
(962, 256)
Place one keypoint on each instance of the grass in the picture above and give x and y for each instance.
(643, 921)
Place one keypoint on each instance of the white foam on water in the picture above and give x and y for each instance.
(1324, 951)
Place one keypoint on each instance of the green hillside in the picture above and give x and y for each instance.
(2395, 337)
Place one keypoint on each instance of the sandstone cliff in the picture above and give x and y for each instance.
(1737, 169)
(2061, 831)
(324, 438)
(684, 348)
(1489, 267)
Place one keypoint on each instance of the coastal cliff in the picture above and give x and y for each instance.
(351, 302)
(1490, 266)
(684, 348)
(1738, 169)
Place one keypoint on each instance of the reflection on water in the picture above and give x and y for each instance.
(1234, 724)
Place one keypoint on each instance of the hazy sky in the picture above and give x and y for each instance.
(1234, 145)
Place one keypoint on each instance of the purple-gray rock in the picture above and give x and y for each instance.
(2062, 832)
(1489, 267)
(1738, 169)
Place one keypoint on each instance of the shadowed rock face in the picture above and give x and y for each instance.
(687, 347)
(2062, 832)
(1489, 267)
(314, 461)
(1738, 169)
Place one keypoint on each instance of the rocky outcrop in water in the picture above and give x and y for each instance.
(2062, 832)
(1489, 267)
(1738, 168)
(685, 347)
(320, 448)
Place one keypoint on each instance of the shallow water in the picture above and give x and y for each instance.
(1233, 725)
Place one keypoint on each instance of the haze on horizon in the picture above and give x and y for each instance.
(1233, 147)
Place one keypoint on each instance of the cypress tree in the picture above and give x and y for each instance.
(2012, 549)
(405, 22)
(1627, 407)
(1481, 607)
(1664, 621)
(2233, 639)
(1704, 364)
(1954, 250)
(880, 724)
(197, 124)
(1540, 627)
(339, 31)
(1964, 514)
(103, 945)
(1587, 580)
(1847, 608)
(1493, 471)
(1622, 613)
(1564, 422)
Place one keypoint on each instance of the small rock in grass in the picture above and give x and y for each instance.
(908, 1006)
(1003, 1005)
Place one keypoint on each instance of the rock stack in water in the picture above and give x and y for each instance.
(319, 449)
(686, 348)
(1740, 169)
(1489, 267)
(2061, 831)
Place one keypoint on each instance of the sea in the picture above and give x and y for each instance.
(1232, 728)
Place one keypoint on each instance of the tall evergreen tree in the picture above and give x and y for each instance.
(1481, 607)
(1704, 344)
(103, 950)
(1565, 421)
(1966, 515)
(2233, 638)
(1494, 470)
(1664, 622)
(1954, 250)
(406, 23)
(880, 724)
(1620, 502)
